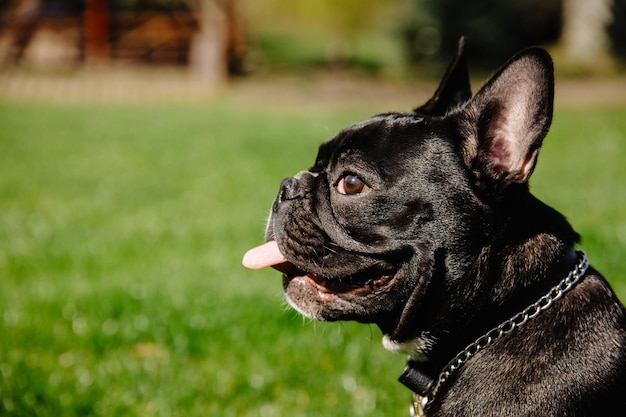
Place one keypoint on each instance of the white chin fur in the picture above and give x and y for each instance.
(302, 312)
(415, 348)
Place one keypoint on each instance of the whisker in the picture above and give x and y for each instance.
(330, 249)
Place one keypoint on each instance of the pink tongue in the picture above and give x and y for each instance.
(263, 256)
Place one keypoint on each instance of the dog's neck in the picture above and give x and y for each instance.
(418, 348)
(535, 256)
(416, 375)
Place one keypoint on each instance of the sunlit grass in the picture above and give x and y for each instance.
(582, 173)
(122, 230)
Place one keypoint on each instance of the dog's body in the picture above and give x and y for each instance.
(422, 223)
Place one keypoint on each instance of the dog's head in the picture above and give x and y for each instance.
(396, 208)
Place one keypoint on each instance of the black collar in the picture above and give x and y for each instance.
(415, 379)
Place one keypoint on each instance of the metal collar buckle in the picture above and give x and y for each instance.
(417, 405)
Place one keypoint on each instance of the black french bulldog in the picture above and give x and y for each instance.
(423, 223)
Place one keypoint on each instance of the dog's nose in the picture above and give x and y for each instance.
(295, 187)
(290, 189)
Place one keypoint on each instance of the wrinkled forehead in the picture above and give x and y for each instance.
(376, 139)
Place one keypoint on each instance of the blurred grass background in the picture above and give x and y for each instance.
(130, 187)
(123, 228)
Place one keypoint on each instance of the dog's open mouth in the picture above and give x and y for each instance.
(360, 284)
(363, 282)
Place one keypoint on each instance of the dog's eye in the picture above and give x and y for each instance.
(351, 185)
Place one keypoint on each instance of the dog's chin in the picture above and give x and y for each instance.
(350, 298)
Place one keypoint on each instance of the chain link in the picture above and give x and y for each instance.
(509, 326)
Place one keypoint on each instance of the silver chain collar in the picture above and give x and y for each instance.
(419, 403)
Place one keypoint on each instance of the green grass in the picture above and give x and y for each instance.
(122, 230)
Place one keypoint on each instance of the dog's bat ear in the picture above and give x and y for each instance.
(454, 89)
(509, 118)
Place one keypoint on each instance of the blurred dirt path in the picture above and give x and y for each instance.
(327, 90)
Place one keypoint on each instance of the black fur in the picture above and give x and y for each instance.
(444, 241)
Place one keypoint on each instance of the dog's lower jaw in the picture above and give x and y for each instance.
(313, 314)
(416, 348)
